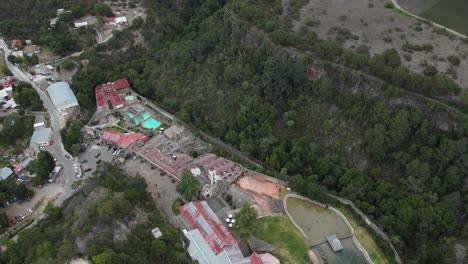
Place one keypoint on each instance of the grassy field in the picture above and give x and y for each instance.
(2, 63)
(366, 239)
(289, 245)
(450, 13)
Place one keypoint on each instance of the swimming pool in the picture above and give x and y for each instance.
(137, 109)
(151, 123)
(138, 120)
(129, 114)
(129, 98)
(145, 115)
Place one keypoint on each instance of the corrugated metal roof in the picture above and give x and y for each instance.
(201, 216)
(199, 249)
(61, 95)
(5, 173)
(41, 135)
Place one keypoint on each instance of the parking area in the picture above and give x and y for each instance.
(161, 186)
(92, 155)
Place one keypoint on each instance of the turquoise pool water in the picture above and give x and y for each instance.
(137, 109)
(138, 120)
(129, 114)
(146, 115)
(129, 98)
(151, 123)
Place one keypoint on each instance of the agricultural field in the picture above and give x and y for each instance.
(370, 23)
(449, 13)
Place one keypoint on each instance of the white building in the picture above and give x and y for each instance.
(80, 24)
(62, 96)
(41, 137)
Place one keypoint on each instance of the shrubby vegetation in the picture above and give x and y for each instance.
(27, 98)
(15, 128)
(117, 199)
(207, 65)
(42, 166)
(34, 24)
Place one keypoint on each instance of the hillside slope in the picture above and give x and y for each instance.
(233, 70)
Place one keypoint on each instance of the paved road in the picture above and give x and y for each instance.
(57, 147)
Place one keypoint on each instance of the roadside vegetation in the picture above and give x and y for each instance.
(27, 98)
(112, 200)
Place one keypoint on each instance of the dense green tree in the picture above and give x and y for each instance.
(189, 186)
(42, 166)
(246, 222)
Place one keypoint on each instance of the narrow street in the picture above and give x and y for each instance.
(57, 124)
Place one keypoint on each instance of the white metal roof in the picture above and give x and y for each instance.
(61, 94)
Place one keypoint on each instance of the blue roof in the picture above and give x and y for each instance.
(5, 173)
(61, 95)
(41, 135)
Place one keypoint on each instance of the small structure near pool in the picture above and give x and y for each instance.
(334, 242)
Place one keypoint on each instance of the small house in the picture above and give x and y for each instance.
(5, 173)
(16, 43)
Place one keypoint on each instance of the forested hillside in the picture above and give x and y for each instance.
(110, 221)
(232, 69)
(30, 19)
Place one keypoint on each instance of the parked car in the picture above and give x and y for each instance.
(97, 155)
(99, 161)
(13, 221)
(88, 170)
(84, 161)
(67, 156)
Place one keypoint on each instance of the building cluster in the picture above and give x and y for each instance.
(109, 95)
(112, 22)
(53, 21)
(6, 93)
(209, 241)
(42, 72)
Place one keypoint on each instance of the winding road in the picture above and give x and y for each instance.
(56, 122)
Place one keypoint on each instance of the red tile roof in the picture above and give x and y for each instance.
(121, 84)
(266, 258)
(109, 19)
(172, 164)
(201, 217)
(106, 91)
(16, 42)
(121, 139)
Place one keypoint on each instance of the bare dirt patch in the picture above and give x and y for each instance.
(380, 28)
